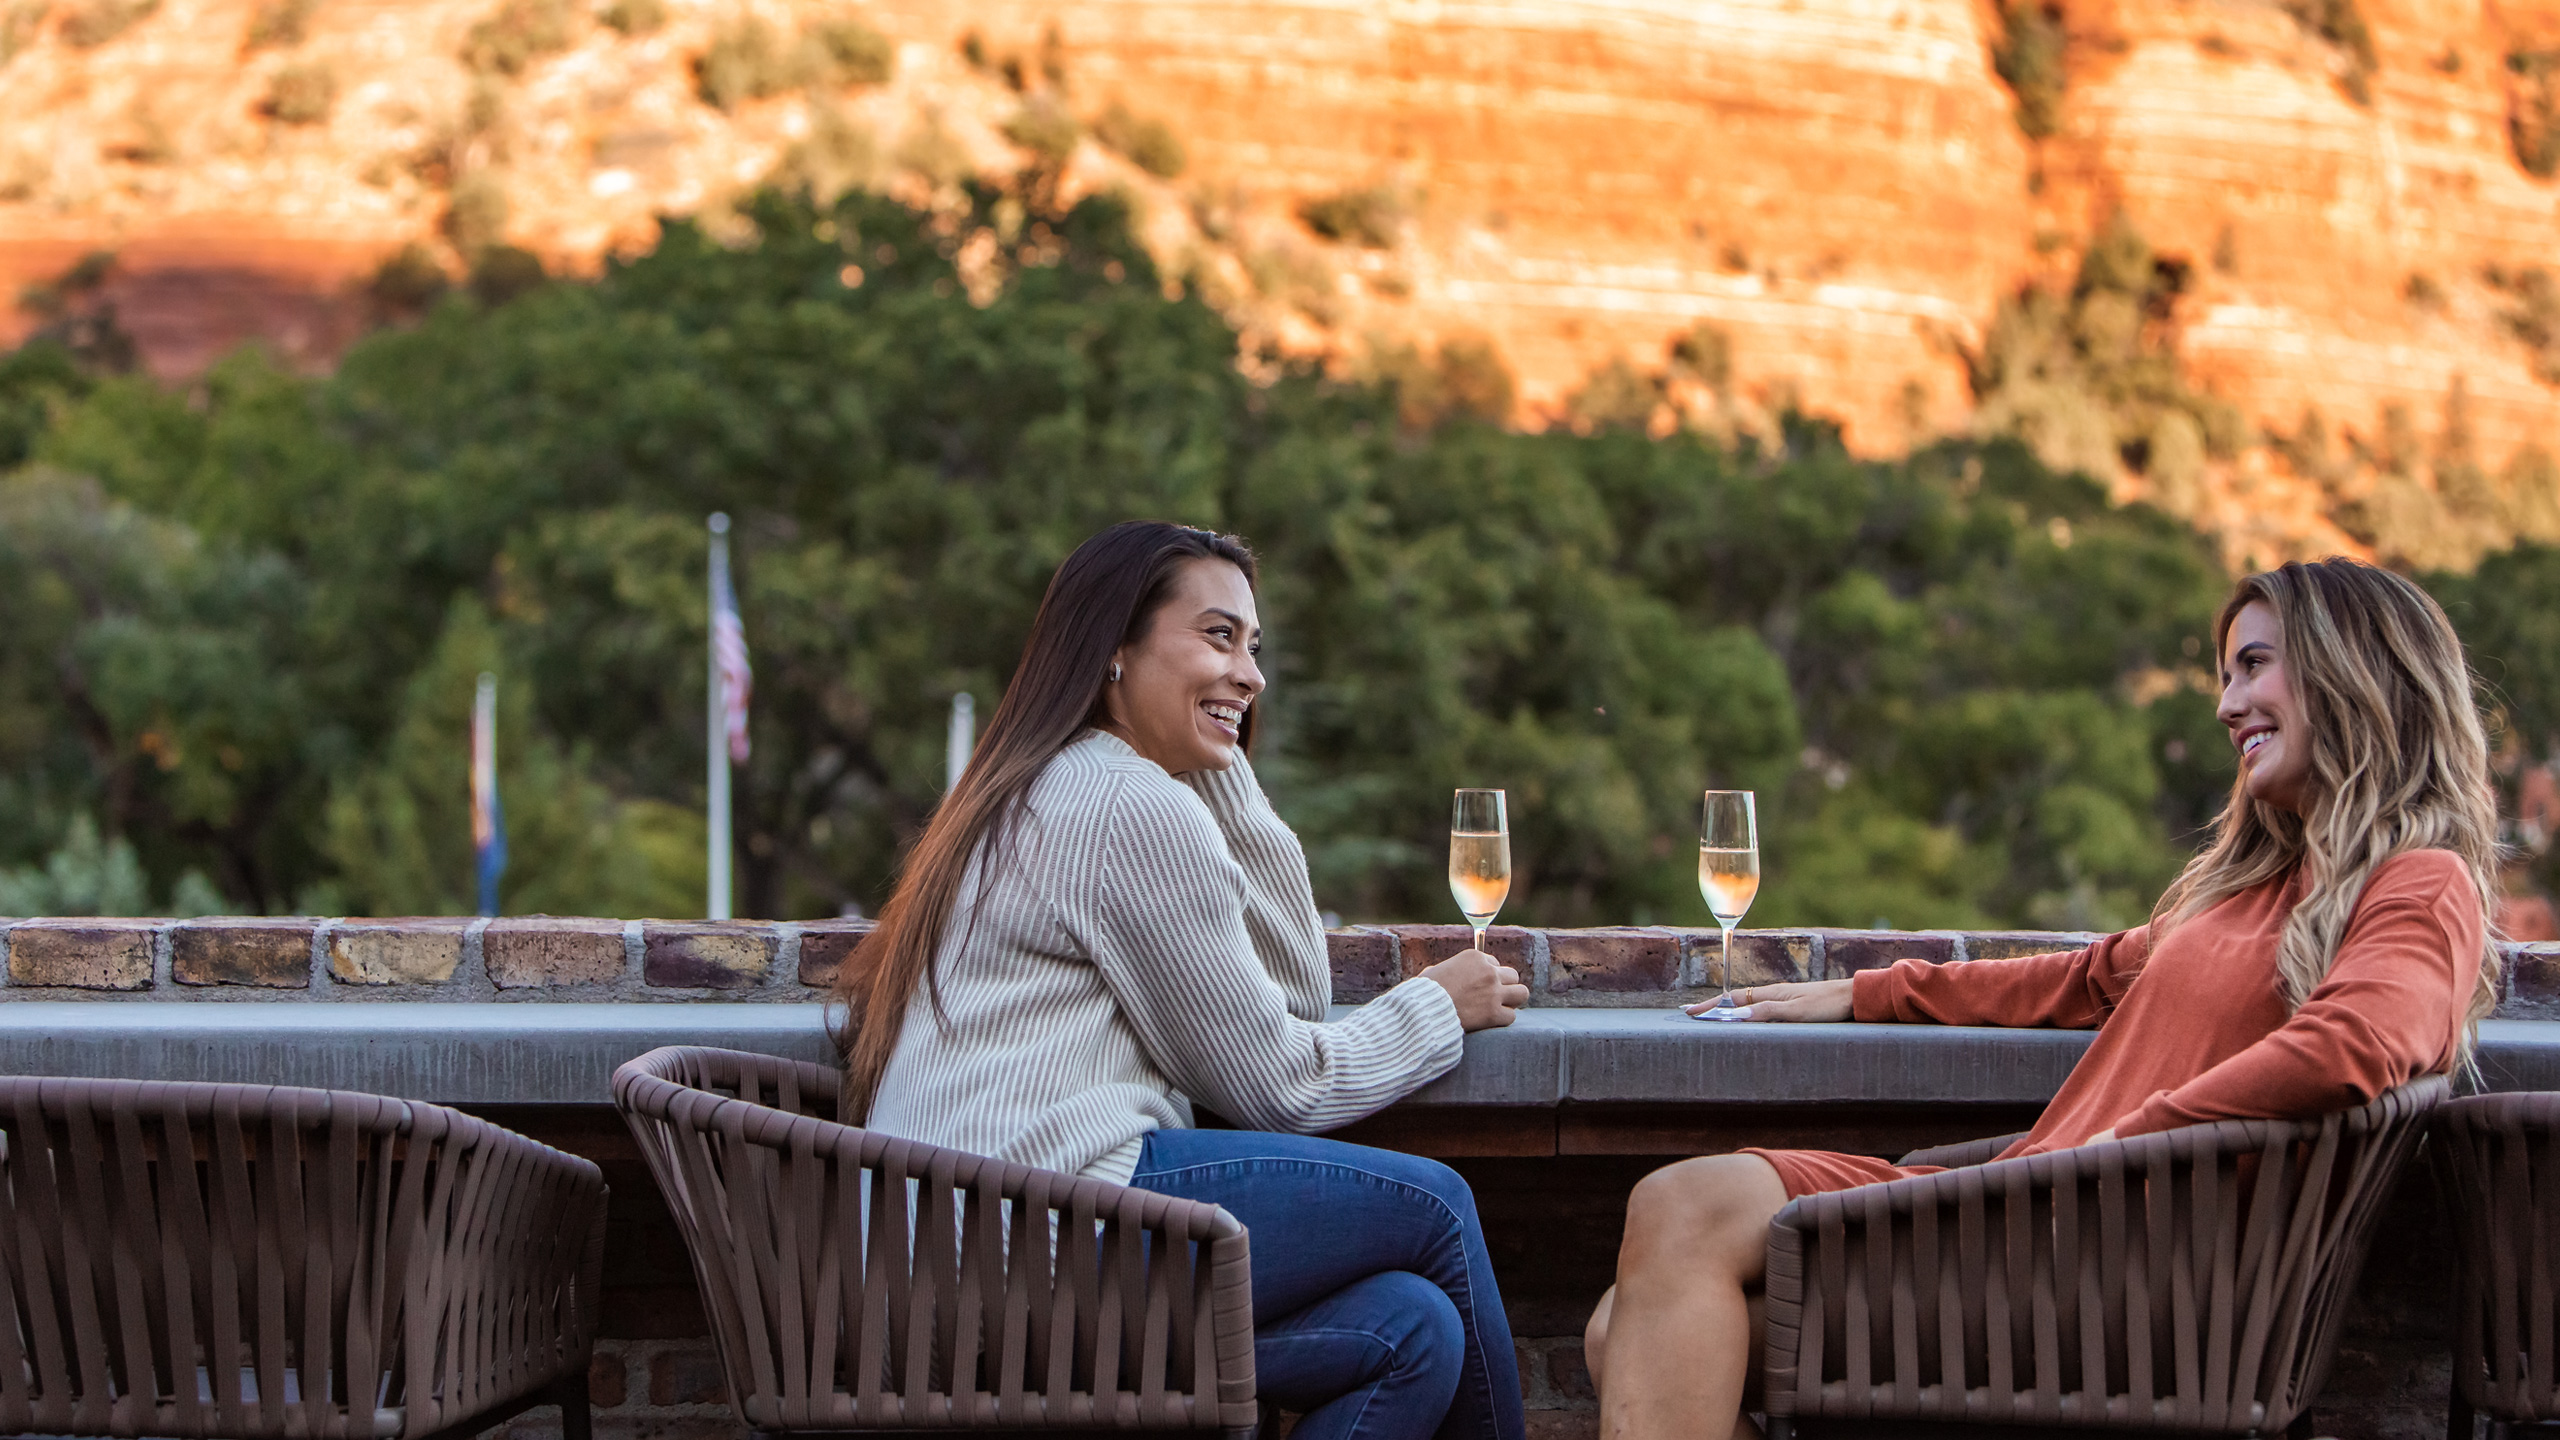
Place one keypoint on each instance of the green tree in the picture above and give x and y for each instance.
(2508, 611)
(1965, 686)
(88, 875)
(399, 830)
(149, 686)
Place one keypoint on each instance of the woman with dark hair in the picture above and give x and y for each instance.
(1105, 922)
(2332, 941)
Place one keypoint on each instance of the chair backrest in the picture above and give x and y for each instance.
(2498, 1157)
(251, 1261)
(2188, 1280)
(857, 1279)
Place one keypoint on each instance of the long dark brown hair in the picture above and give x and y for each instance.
(2399, 762)
(1105, 596)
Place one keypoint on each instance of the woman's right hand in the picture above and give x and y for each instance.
(1817, 1001)
(1488, 993)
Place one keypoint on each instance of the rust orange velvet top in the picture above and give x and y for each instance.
(2198, 1030)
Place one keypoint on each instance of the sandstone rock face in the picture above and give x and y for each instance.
(1838, 185)
(2340, 249)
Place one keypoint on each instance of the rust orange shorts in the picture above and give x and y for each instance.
(1810, 1172)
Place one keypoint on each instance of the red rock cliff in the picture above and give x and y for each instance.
(1840, 186)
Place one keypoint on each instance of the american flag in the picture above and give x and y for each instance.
(729, 653)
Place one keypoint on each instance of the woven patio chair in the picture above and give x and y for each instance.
(860, 1282)
(2498, 1160)
(257, 1262)
(2190, 1281)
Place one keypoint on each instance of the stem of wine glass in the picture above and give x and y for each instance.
(1479, 936)
(1724, 981)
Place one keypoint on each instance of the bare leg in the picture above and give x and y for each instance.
(1595, 1344)
(1595, 1335)
(1677, 1335)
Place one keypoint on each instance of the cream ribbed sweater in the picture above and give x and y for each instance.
(1143, 942)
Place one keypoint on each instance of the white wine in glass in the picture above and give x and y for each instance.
(1728, 876)
(1479, 857)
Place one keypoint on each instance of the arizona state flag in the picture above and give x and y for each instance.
(488, 822)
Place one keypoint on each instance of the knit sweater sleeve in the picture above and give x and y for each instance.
(2390, 1009)
(2067, 990)
(1279, 904)
(1165, 921)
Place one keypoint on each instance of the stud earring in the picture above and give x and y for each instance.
(1115, 672)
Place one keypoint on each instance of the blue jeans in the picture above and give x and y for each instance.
(1374, 1309)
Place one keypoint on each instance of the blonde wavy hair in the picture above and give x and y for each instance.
(2399, 761)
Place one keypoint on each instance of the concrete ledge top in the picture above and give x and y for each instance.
(452, 1053)
(565, 1053)
(1675, 1059)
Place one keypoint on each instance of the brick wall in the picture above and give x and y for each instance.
(423, 958)
(541, 957)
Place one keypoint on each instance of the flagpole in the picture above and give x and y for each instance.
(716, 729)
(961, 739)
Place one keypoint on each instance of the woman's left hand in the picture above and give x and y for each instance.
(1815, 1001)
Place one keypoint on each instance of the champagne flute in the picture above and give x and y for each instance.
(1729, 877)
(1479, 857)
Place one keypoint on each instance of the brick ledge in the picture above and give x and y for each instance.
(543, 957)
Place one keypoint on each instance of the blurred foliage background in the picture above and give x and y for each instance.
(243, 618)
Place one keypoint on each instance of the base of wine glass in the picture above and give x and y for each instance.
(1724, 1012)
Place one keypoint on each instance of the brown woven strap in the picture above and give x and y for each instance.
(235, 1260)
(2191, 1280)
(2499, 1165)
(1968, 1152)
(858, 1279)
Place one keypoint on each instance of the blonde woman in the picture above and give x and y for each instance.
(2332, 942)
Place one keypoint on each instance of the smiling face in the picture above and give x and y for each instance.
(2262, 712)
(1186, 683)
